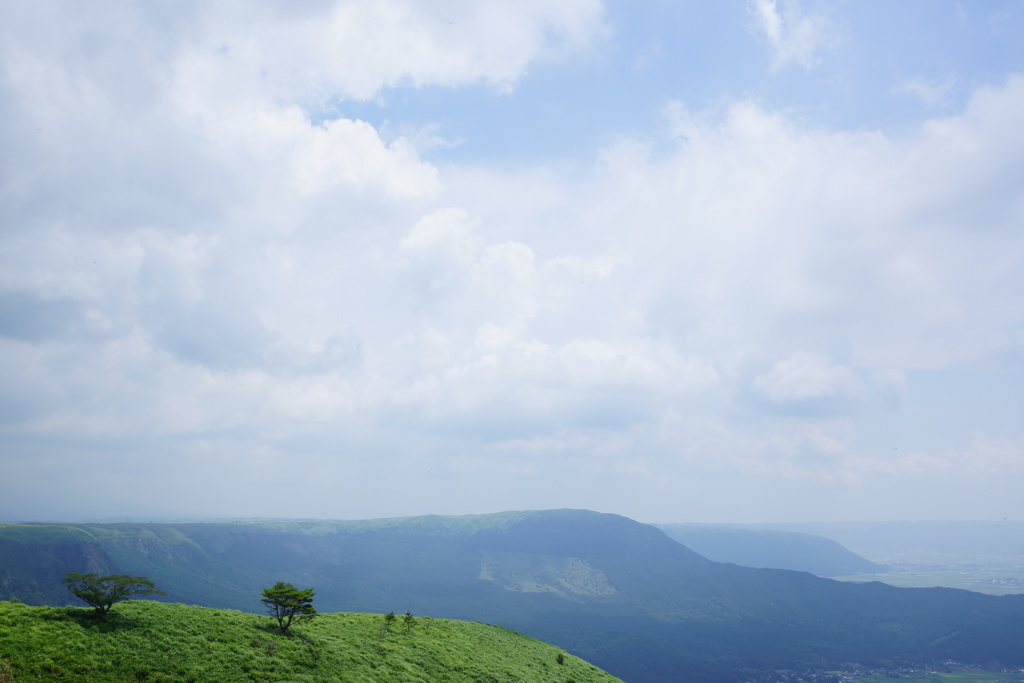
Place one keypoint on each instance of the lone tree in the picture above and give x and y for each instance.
(287, 603)
(102, 592)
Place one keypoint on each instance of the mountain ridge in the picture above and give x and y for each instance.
(771, 549)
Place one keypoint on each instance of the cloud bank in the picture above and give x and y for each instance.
(213, 281)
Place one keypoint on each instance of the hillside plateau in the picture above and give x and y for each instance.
(172, 643)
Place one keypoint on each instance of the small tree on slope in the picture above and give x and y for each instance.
(287, 603)
(102, 592)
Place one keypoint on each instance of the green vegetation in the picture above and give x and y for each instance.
(567, 577)
(103, 592)
(164, 643)
(286, 603)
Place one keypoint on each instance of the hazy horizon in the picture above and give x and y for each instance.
(202, 519)
(737, 262)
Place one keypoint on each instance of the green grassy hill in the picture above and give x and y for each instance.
(159, 642)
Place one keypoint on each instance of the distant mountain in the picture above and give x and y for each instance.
(879, 539)
(618, 593)
(771, 549)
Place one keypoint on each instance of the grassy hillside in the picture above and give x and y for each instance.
(159, 642)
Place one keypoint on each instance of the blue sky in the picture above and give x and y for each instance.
(745, 261)
(874, 67)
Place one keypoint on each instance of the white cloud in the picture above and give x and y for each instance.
(932, 94)
(811, 382)
(443, 227)
(205, 258)
(357, 48)
(986, 458)
(796, 36)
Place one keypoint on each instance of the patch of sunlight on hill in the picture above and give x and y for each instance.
(568, 577)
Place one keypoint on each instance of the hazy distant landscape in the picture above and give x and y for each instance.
(992, 575)
(987, 557)
(617, 593)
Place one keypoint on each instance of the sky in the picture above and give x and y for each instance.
(684, 261)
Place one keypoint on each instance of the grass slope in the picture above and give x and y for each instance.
(160, 642)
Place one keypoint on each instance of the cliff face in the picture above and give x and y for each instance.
(31, 572)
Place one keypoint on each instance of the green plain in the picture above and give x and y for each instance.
(994, 575)
(957, 677)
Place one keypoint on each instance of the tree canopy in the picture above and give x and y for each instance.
(102, 592)
(287, 603)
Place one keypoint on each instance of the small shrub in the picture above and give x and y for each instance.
(7, 673)
(315, 651)
(560, 658)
